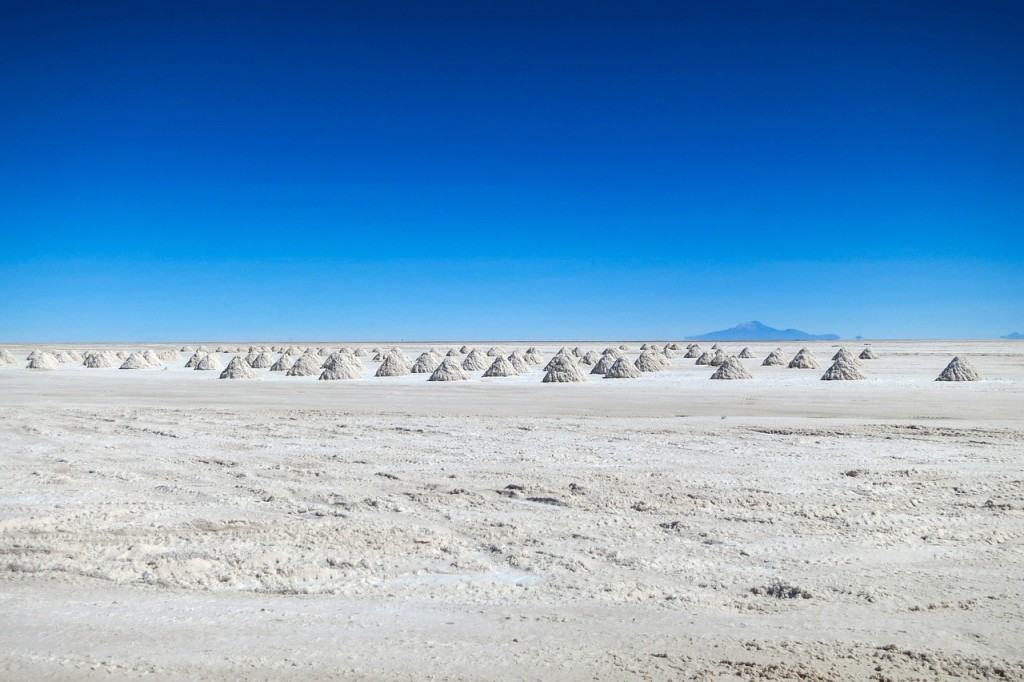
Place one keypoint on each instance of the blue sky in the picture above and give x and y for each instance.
(340, 170)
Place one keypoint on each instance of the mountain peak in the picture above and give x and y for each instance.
(758, 331)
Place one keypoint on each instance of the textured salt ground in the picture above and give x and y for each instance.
(222, 536)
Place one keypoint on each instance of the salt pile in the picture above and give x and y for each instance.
(492, 352)
(533, 356)
(775, 358)
(804, 359)
(845, 356)
(604, 364)
(501, 367)
(135, 361)
(745, 354)
(562, 369)
(693, 351)
(449, 370)
(6, 358)
(622, 368)
(650, 361)
(151, 358)
(452, 353)
(425, 364)
(475, 361)
(704, 358)
(238, 369)
(283, 364)
(42, 361)
(339, 370)
(731, 368)
(842, 370)
(393, 365)
(194, 360)
(868, 354)
(208, 362)
(959, 369)
(718, 358)
(98, 359)
(518, 362)
(360, 353)
(589, 358)
(307, 365)
(464, 350)
(262, 361)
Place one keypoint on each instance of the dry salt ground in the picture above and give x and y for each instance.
(164, 522)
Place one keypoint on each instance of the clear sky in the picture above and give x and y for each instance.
(208, 170)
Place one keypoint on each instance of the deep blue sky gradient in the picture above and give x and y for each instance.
(208, 170)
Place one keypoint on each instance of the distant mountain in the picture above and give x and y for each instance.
(1013, 336)
(755, 331)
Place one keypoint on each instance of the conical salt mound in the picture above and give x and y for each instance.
(262, 361)
(693, 351)
(339, 371)
(731, 368)
(648, 362)
(135, 361)
(393, 365)
(283, 363)
(842, 370)
(120, 355)
(563, 370)
(97, 360)
(186, 349)
(493, 352)
(518, 362)
(718, 358)
(425, 364)
(449, 370)
(63, 356)
(614, 352)
(464, 350)
(622, 368)
(745, 354)
(337, 358)
(238, 369)
(307, 365)
(959, 369)
(714, 346)
(623, 347)
(167, 355)
(360, 353)
(775, 358)
(6, 358)
(704, 358)
(845, 356)
(43, 361)
(251, 357)
(151, 358)
(533, 356)
(208, 362)
(667, 352)
(194, 360)
(673, 346)
(475, 361)
(645, 346)
(452, 353)
(589, 358)
(867, 354)
(604, 364)
(501, 367)
(803, 360)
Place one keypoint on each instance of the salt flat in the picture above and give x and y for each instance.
(162, 521)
